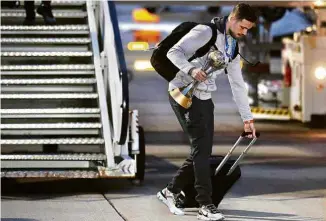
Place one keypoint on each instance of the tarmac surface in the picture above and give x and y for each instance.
(281, 181)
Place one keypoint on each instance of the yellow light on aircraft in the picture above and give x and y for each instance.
(143, 65)
(137, 46)
(142, 15)
(320, 73)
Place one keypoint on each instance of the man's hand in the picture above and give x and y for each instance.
(250, 127)
(198, 74)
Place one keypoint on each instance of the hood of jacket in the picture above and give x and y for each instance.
(220, 23)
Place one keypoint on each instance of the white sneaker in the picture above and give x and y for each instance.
(170, 200)
(209, 212)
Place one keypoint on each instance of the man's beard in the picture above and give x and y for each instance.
(234, 36)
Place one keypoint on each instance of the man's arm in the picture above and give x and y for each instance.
(188, 45)
(239, 91)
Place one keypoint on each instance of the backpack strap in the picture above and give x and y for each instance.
(203, 50)
(236, 51)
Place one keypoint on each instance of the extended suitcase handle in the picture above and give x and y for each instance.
(228, 155)
(244, 134)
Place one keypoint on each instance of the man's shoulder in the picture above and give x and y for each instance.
(205, 30)
(206, 27)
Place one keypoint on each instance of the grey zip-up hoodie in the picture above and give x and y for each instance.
(186, 47)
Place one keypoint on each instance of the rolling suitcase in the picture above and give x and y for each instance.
(224, 174)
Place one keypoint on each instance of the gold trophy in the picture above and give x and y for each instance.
(183, 95)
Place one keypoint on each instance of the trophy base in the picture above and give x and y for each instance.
(180, 98)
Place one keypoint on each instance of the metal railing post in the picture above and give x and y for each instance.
(106, 130)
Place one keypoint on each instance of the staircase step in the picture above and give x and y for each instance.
(51, 111)
(52, 132)
(20, 13)
(50, 174)
(80, 156)
(47, 89)
(45, 164)
(45, 40)
(67, 2)
(43, 73)
(44, 48)
(51, 126)
(24, 116)
(28, 70)
(50, 81)
(50, 96)
(44, 29)
(52, 141)
(46, 54)
(48, 67)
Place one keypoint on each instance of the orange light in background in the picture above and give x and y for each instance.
(143, 16)
(147, 36)
(137, 46)
(320, 87)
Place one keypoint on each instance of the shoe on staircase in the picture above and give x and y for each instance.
(46, 12)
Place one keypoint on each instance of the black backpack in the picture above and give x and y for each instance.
(159, 60)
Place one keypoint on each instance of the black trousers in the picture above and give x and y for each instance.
(29, 8)
(198, 123)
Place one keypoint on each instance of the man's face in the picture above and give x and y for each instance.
(239, 28)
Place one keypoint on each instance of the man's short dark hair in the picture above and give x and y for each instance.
(245, 11)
